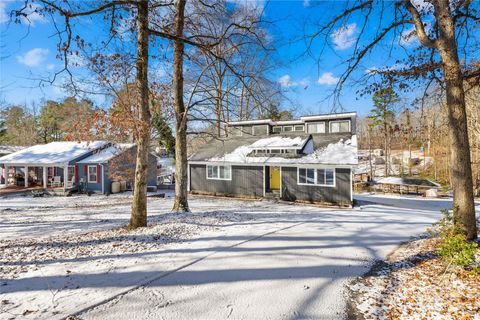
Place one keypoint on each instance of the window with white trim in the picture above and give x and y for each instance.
(287, 128)
(299, 128)
(316, 177)
(92, 174)
(219, 172)
(277, 129)
(340, 126)
(318, 127)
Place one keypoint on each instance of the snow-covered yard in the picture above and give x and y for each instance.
(228, 258)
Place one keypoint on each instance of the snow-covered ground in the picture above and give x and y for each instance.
(227, 259)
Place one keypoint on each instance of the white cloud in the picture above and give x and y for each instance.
(408, 37)
(327, 78)
(32, 12)
(393, 67)
(345, 36)
(3, 13)
(34, 57)
(286, 82)
(422, 5)
(306, 3)
(33, 15)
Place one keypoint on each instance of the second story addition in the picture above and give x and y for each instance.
(324, 124)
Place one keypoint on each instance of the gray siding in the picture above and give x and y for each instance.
(246, 181)
(259, 130)
(340, 194)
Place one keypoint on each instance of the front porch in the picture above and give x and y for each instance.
(15, 177)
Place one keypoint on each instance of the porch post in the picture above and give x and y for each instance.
(45, 182)
(26, 177)
(6, 175)
(65, 178)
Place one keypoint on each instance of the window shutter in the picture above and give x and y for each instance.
(98, 173)
(75, 173)
(85, 170)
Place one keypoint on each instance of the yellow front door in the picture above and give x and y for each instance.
(275, 178)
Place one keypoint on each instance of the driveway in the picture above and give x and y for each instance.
(292, 267)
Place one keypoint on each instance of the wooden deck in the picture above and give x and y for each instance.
(17, 190)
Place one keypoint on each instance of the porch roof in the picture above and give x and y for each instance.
(58, 153)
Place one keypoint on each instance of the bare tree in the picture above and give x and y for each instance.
(437, 60)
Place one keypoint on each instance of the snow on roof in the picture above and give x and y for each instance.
(280, 142)
(329, 116)
(341, 153)
(53, 153)
(107, 154)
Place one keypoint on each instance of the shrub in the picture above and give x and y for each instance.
(457, 251)
(453, 248)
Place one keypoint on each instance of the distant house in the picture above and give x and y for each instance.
(309, 159)
(72, 165)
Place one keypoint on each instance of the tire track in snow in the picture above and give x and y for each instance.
(167, 273)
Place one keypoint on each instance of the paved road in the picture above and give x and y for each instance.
(295, 270)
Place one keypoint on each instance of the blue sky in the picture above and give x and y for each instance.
(28, 54)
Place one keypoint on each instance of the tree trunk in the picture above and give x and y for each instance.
(463, 202)
(181, 167)
(139, 204)
(386, 149)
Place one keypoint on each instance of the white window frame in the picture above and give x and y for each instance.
(315, 175)
(96, 174)
(218, 172)
(277, 127)
(336, 121)
(316, 124)
(283, 129)
(299, 125)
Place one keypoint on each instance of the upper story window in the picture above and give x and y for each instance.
(259, 130)
(219, 172)
(300, 127)
(340, 126)
(318, 127)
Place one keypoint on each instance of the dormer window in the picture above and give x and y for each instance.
(340, 126)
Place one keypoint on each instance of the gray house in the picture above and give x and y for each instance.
(307, 160)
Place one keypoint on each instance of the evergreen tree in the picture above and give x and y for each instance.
(382, 115)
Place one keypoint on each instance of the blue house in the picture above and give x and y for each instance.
(69, 165)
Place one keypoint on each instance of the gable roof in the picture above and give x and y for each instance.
(104, 155)
(340, 149)
(53, 153)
